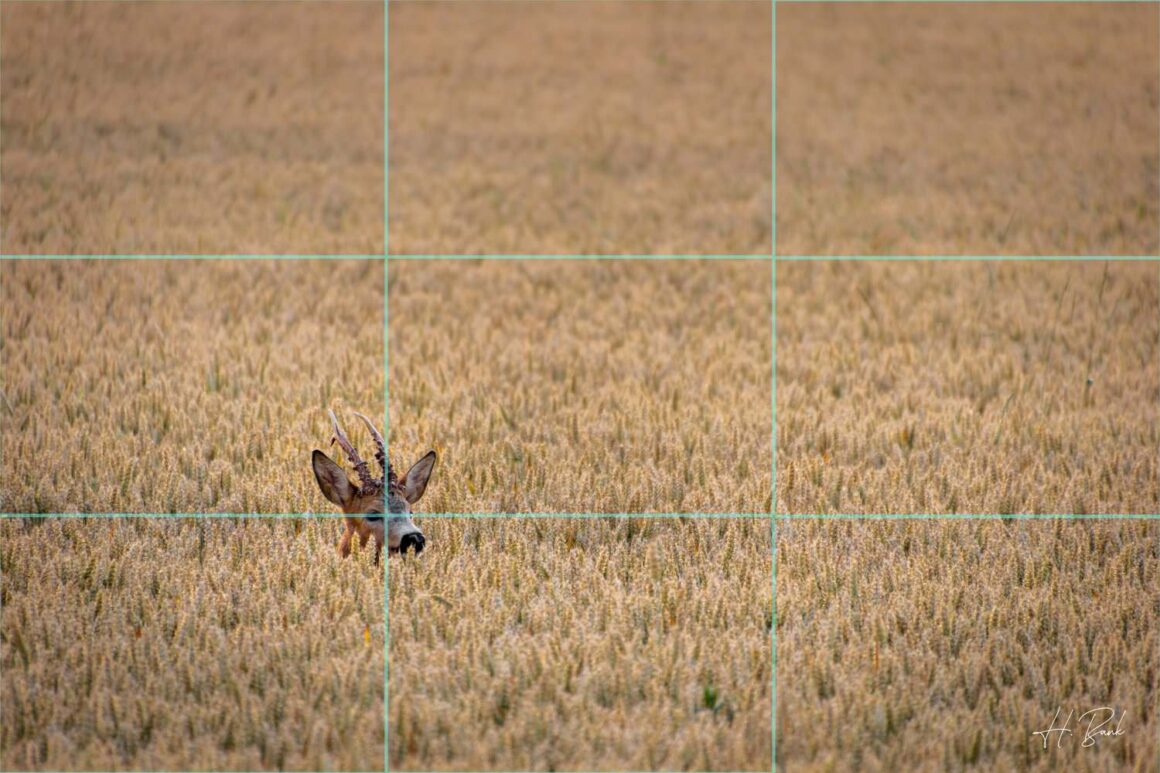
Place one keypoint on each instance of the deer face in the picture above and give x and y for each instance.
(402, 533)
(368, 502)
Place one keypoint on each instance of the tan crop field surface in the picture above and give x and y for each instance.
(576, 128)
(181, 386)
(188, 644)
(191, 127)
(945, 645)
(968, 129)
(969, 387)
(582, 644)
(582, 386)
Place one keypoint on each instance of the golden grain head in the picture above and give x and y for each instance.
(971, 387)
(583, 644)
(934, 645)
(623, 128)
(191, 128)
(996, 129)
(585, 387)
(170, 387)
(189, 644)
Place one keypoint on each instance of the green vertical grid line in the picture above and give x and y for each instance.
(386, 127)
(773, 506)
(386, 369)
(386, 563)
(773, 387)
(773, 650)
(773, 377)
(773, 128)
(1, 124)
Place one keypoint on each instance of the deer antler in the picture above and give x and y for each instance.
(369, 483)
(380, 446)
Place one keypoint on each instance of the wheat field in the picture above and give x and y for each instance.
(968, 129)
(553, 387)
(191, 127)
(968, 387)
(188, 644)
(583, 644)
(580, 128)
(945, 645)
(584, 387)
(182, 386)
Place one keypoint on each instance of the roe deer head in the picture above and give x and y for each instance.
(366, 504)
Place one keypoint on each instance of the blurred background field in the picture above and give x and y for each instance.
(182, 386)
(583, 644)
(560, 127)
(944, 645)
(580, 386)
(188, 644)
(968, 128)
(191, 127)
(968, 387)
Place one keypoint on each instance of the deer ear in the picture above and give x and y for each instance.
(331, 479)
(416, 481)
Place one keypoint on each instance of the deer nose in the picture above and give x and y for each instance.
(413, 540)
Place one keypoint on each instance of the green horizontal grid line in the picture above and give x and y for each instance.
(190, 256)
(610, 2)
(327, 516)
(591, 257)
(593, 516)
(751, 516)
(585, 256)
(717, 2)
(970, 2)
(336, 516)
(968, 516)
(952, 258)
